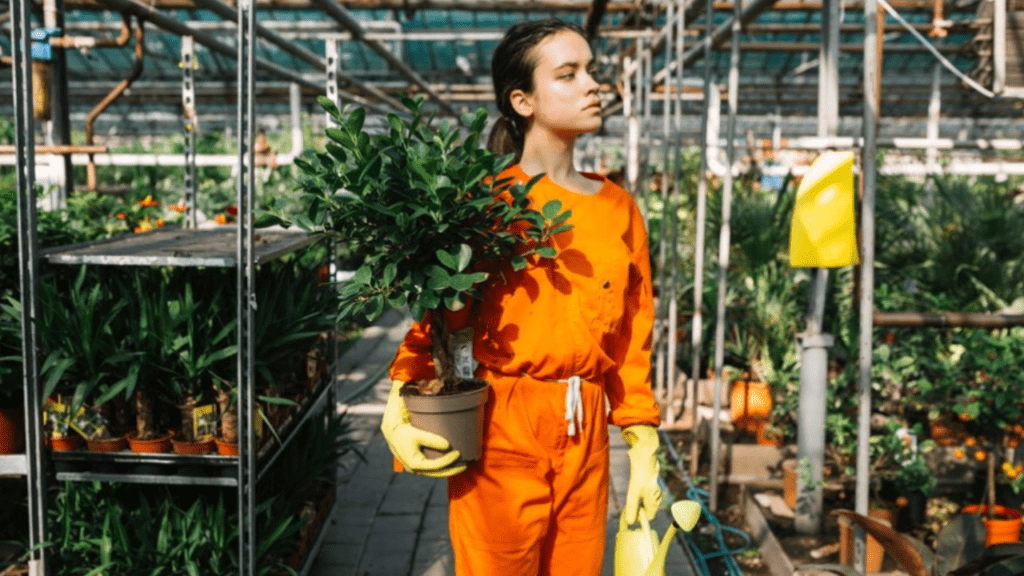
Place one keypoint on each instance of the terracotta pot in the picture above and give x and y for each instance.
(182, 447)
(227, 448)
(874, 552)
(946, 431)
(459, 418)
(107, 444)
(12, 431)
(1003, 528)
(158, 445)
(750, 404)
(789, 478)
(766, 436)
(67, 443)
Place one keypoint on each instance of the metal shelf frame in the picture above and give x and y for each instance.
(167, 247)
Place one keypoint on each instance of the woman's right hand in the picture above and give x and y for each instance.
(406, 441)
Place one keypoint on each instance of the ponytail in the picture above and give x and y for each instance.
(506, 139)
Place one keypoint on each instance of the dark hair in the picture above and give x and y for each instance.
(512, 67)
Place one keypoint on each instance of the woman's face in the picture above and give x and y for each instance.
(564, 99)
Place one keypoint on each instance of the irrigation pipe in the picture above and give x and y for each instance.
(935, 52)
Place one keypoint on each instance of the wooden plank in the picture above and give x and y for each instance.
(774, 556)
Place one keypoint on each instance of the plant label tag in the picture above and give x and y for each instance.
(465, 365)
(204, 423)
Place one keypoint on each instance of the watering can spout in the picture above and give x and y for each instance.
(637, 551)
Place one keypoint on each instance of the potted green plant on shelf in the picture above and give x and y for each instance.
(420, 207)
(85, 360)
(203, 352)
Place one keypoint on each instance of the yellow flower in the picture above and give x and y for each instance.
(960, 454)
(148, 202)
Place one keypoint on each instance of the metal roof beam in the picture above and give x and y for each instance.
(167, 23)
(340, 14)
(320, 64)
(570, 6)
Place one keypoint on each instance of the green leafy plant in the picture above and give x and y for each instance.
(421, 209)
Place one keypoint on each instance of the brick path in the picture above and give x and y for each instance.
(390, 524)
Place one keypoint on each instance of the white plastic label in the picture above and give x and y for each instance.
(465, 365)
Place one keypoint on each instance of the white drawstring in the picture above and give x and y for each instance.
(573, 404)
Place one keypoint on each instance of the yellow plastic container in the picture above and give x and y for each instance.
(823, 233)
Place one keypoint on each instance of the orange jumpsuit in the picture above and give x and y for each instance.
(536, 502)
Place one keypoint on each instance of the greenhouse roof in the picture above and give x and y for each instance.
(445, 46)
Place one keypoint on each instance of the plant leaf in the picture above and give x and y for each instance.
(362, 276)
(547, 252)
(551, 209)
(895, 544)
(448, 260)
(465, 255)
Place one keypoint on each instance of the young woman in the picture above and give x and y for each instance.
(554, 341)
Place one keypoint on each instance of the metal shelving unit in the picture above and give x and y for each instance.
(240, 247)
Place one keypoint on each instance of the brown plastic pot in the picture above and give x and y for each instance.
(226, 448)
(12, 431)
(158, 445)
(107, 444)
(66, 444)
(1003, 528)
(458, 418)
(183, 447)
(789, 477)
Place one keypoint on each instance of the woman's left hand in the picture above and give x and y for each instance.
(643, 490)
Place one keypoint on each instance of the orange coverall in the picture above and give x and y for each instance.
(536, 502)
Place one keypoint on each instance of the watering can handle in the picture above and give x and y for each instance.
(643, 524)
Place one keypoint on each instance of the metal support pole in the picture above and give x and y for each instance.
(188, 104)
(828, 71)
(810, 428)
(643, 92)
(295, 103)
(724, 241)
(672, 85)
(333, 66)
(28, 263)
(664, 383)
(867, 266)
(59, 130)
(698, 251)
(632, 145)
(246, 298)
(934, 112)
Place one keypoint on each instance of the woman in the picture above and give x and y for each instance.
(553, 341)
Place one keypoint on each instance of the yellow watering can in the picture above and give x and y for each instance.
(637, 551)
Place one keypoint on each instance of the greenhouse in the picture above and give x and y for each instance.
(269, 271)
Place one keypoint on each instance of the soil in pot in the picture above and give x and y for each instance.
(458, 417)
(12, 430)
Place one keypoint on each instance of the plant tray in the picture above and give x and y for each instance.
(214, 247)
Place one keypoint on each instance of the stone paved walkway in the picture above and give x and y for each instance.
(389, 524)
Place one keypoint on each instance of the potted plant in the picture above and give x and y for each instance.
(898, 458)
(426, 213)
(12, 410)
(202, 349)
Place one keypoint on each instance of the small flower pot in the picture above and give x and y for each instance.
(158, 445)
(227, 448)
(66, 443)
(459, 418)
(107, 444)
(12, 431)
(750, 403)
(1003, 528)
(182, 447)
(874, 552)
(789, 478)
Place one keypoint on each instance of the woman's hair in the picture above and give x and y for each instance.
(512, 67)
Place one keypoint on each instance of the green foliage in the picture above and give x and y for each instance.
(418, 206)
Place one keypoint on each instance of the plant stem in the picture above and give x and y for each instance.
(187, 410)
(144, 429)
(442, 348)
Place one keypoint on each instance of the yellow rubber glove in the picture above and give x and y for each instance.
(405, 441)
(643, 491)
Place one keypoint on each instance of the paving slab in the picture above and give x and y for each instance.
(389, 524)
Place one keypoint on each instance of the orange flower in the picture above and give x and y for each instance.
(971, 442)
(1012, 442)
(901, 501)
(965, 416)
(148, 202)
(221, 219)
(179, 208)
(159, 222)
(233, 210)
(122, 216)
(1018, 429)
(959, 453)
(890, 337)
(980, 455)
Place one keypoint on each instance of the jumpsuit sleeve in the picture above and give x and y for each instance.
(629, 387)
